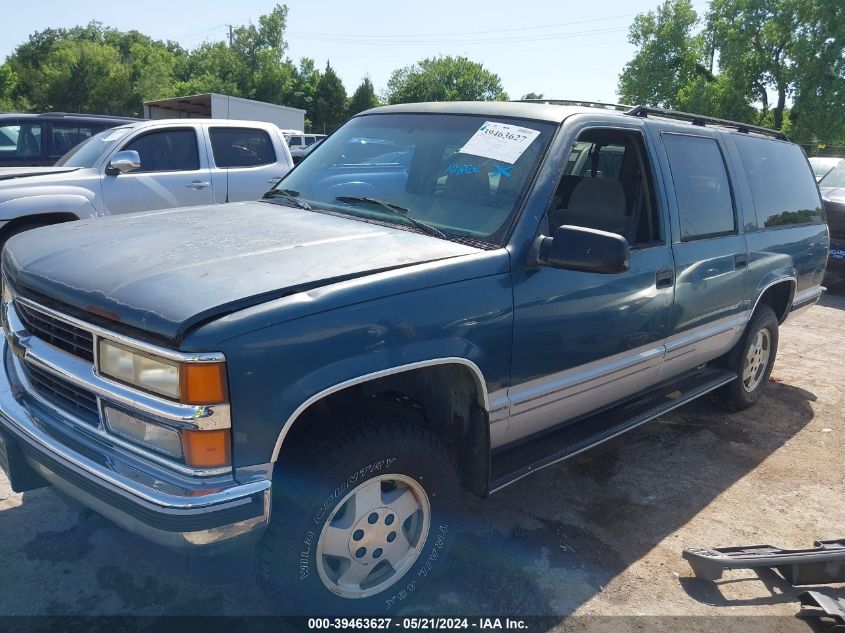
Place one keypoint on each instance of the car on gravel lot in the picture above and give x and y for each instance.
(310, 379)
(143, 166)
(29, 140)
(832, 188)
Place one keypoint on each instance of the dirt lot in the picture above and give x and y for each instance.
(600, 535)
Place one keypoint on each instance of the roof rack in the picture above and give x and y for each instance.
(701, 120)
(577, 102)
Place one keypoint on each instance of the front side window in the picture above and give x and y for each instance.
(607, 185)
(166, 150)
(702, 188)
(241, 147)
(461, 174)
(20, 141)
(782, 186)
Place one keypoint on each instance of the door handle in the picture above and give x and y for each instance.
(665, 278)
(198, 184)
(740, 261)
(273, 181)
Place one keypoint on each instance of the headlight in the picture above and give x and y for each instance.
(154, 436)
(189, 383)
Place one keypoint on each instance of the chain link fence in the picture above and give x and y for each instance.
(823, 149)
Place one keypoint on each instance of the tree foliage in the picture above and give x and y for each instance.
(444, 79)
(744, 60)
(363, 98)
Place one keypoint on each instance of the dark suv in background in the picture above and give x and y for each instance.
(832, 188)
(42, 139)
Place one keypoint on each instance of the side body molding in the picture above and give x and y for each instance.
(481, 389)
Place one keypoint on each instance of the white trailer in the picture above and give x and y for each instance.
(211, 105)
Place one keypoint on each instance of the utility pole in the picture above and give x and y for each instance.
(231, 37)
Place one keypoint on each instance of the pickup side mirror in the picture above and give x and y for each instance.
(586, 250)
(123, 162)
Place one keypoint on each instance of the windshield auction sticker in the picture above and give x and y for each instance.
(500, 141)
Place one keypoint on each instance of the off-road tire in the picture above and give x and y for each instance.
(311, 480)
(735, 396)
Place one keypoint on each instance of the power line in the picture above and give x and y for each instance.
(408, 37)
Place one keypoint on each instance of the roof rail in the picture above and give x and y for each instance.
(702, 120)
(577, 102)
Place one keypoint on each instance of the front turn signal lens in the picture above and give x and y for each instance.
(203, 383)
(207, 449)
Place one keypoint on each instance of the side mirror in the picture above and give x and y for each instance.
(586, 250)
(123, 162)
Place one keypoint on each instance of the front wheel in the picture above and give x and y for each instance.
(752, 359)
(362, 521)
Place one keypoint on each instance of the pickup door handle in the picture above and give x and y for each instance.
(665, 278)
(198, 184)
(273, 181)
(740, 261)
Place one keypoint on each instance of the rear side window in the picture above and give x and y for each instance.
(782, 184)
(241, 147)
(702, 188)
(167, 150)
(66, 136)
(296, 141)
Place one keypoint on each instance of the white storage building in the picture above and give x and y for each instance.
(216, 106)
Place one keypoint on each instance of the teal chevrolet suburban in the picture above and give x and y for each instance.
(310, 379)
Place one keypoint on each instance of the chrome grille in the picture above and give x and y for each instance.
(63, 335)
(79, 402)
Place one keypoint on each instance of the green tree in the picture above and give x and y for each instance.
(444, 79)
(330, 102)
(85, 76)
(669, 55)
(305, 78)
(363, 98)
(532, 95)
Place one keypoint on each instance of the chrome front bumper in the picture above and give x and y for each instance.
(195, 515)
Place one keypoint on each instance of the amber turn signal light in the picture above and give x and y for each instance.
(202, 383)
(207, 449)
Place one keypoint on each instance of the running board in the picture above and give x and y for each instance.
(513, 463)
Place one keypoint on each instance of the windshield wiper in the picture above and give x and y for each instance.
(289, 195)
(397, 210)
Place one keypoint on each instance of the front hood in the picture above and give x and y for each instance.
(15, 173)
(833, 194)
(165, 271)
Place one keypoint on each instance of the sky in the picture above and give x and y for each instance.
(562, 49)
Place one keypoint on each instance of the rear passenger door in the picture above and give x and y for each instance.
(711, 255)
(244, 163)
(583, 340)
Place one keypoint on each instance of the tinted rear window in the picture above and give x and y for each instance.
(782, 184)
(241, 147)
(702, 188)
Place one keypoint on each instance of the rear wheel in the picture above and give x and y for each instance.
(752, 359)
(363, 518)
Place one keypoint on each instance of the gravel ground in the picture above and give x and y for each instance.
(600, 535)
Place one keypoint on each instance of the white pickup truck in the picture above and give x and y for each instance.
(144, 166)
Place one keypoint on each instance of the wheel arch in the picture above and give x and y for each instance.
(478, 377)
(777, 291)
(452, 392)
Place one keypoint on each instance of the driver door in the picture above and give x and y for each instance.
(583, 340)
(173, 173)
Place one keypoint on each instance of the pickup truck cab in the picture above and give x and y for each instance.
(146, 165)
(312, 378)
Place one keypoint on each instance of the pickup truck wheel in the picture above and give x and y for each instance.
(752, 359)
(361, 525)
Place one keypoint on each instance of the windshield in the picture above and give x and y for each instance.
(836, 178)
(463, 175)
(822, 166)
(88, 153)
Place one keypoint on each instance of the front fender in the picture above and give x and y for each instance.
(30, 205)
(276, 372)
